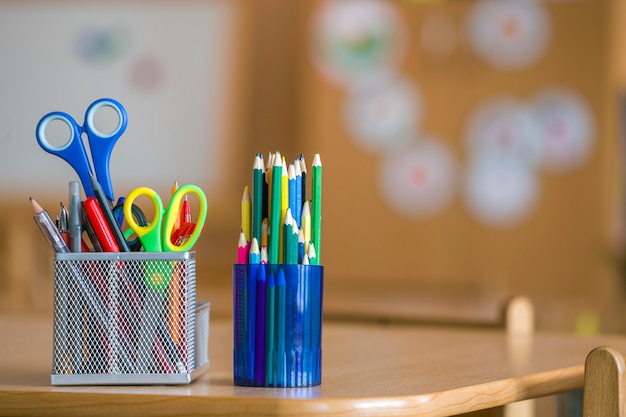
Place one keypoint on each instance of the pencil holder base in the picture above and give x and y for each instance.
(277, 325)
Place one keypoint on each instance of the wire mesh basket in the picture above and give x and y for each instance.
(126, 318)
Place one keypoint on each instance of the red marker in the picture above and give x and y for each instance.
(100, 226)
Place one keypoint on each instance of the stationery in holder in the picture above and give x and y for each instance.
(277, 325)
(112, 324)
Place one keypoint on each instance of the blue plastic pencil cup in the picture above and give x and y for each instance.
(277, 311)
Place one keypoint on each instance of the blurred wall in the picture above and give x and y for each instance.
(403, 100)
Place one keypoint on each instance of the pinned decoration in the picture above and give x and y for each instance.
(567, 129)
(384, 118)
(420, 180)
(509, 34)
(95, 45)
(505, 127)
(500, 191)
(357, 42)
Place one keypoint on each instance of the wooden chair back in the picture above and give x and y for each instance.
(603, 394)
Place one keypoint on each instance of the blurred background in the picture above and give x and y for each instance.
(472, 149)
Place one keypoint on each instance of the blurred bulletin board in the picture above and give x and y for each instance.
(395, 101)
(172, 65)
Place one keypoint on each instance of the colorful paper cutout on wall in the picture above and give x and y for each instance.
(500, 191)
(509, 34)
(357, 42)
(98, 45)
(419, 181)
(384, 117)
(567, 129)
(505, 127)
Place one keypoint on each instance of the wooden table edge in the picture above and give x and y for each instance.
(454, 401)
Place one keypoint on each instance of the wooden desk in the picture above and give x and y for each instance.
(367, 371)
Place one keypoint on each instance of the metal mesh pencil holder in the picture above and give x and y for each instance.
(125, 318)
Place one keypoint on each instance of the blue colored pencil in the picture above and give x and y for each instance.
(305, 318)
(316, 287)
(298, 211)
(300, 246)
(281, 366)
(270, 322)
(304, 175)
(291, 189)
(254, 256)
(254, 267)
(259, 347)
(242, 313)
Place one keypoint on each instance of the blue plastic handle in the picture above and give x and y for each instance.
(73, 151)
(101, 144)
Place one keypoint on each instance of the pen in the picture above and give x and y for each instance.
(62, 222)
(48, 228)
(89, 229)
(63, 219)
(105, 207)
(100, 226)
(75, 226)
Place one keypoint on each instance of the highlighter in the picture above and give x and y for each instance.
(100, 226)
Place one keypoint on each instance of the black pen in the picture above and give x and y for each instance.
(105, 205)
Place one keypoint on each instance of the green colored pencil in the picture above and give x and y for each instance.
(316, 205)
(276, 200)
(257, 196)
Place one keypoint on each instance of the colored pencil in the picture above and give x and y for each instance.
(284, 205)
(291, 191)
(312, 254)
(306, 224)
(254, 256)
(300, 245)
(265, 226)
(270, 318)
(290, 233)
(281, 304)
(275, 209)
(242, 249)
(259, 346)
(304, 176)
(246, 213)
(253, 272)
(257, 196)
(298, 193)
(316, 208)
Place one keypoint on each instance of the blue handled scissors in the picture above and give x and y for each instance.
(101, 144)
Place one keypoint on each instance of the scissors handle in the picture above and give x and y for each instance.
(149, 235)
(173, 211)
(73, 151)
(101, 144)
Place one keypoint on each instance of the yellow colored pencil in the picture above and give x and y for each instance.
(246, 213)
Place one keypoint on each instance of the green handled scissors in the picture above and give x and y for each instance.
(156, 236)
